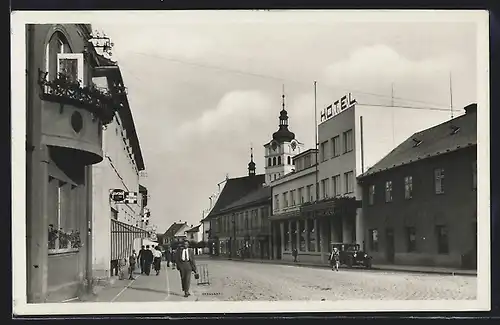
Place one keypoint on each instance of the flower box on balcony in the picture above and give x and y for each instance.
(100, 102)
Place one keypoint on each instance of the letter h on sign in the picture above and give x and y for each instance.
(131, 197)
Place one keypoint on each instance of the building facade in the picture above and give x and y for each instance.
(65, 119)
(291, 230)
(351, 137)
(118, 225)
(420, 201)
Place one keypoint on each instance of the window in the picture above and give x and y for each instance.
(371, 195)
(292, 197)
(336, 146)
(349, 182)
(323, 153)
(474, 175)
(348, 141)
(276, 202)
(388, 191)
(289, 160)
(275, 176)
(336, 185)
(302, 235)
(324, 187)
(411, 239)
(274, 162)
(279, 160)
(311, 245)
(442, 239)
(373, 240)
(285, 200)
(309, 193)
(57, 45)
(71, 66)
(287, 235)
(269, 161)
(301, 195)
(439, 180)
(307, 161)
(408, 187)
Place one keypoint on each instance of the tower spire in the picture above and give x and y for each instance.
(283, 96)
(251, 164)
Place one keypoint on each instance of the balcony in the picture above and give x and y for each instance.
(63, 90)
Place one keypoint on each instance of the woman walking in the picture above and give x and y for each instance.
(335, 259)
(157, 259)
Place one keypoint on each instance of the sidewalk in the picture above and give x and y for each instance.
(164, 287)
(378, 267)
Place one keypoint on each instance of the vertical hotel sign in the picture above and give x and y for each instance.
(337, 107)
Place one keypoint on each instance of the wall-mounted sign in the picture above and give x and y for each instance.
(121, 196)
(337, 107)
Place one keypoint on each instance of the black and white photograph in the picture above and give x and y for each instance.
(250, 161)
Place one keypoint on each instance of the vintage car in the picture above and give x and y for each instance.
(351, 255)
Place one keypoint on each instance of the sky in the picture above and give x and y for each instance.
(203, 91)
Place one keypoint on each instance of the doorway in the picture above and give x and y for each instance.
(389, 246)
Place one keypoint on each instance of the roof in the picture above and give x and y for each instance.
(125, 111)
(173, 229)
(194, 229)
(453, 135)
(235, 189)
(303, 153)
(262, 194)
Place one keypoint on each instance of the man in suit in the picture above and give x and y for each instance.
(141, 259)
(148, 260)
(185, 264)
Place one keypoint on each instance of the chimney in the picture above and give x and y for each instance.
(471, 108)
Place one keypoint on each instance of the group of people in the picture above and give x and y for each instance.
(181, 258)
(148, 258)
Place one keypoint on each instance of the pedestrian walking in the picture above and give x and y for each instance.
(121, 268)
(174, 254)
(185, 264)
(157, 259)
(132, 261)
(168, 256)
(335, 259)
(141, 259)
(148, 260)
(294, 254)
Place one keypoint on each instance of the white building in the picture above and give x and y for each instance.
(116, 225)
(289, 193)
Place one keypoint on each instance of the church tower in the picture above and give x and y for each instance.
(251, 164)
(281, 149)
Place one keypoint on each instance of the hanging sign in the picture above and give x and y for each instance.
(121, 196)
(337, 107)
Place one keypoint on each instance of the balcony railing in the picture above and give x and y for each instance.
(100, 102)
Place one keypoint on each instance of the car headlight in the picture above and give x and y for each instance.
(354, 254)
(366, 255)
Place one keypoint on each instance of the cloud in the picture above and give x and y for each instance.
(373, 69)
(234, 113)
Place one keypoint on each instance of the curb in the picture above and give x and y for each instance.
(373, 268)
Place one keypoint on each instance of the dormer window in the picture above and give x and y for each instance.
(454, 129)
(416, 142)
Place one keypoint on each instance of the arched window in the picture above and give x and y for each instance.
(279, 160)
(269, 161)
(60, 59)
(289, 160)
(274, 161)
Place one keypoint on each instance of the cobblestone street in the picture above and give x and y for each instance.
(237, 281)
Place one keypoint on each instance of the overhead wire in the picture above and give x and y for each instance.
(279, 79)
